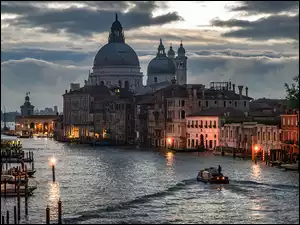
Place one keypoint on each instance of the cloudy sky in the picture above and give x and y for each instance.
(47, 45)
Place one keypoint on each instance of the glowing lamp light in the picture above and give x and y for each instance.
(52, 160)
(169, 140)
(256, 148)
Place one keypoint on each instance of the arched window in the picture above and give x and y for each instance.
(182, 114)
(155, 79)
(120, 83)
(126, 84)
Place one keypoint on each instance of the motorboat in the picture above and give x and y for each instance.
(211, 175)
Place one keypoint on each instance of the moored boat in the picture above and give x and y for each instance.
(212, 176)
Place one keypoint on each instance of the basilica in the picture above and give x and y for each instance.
(117, 65)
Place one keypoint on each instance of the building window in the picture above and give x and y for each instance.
(201, 123)
(155, 79)
(269, 136)
(230, 102)
(231, 134)
(264, 136)
(258, 136)
(274, 138)
(182, 103)
(192, 123)
(196, 125)
(235, 104)
(288, 121)
(215, 102)
(182, 114)
(102, 82)
(283, 121)
(245, 103)
(224, 103)
(206, 103)
(215, 124)
(189, 143)
(210, 124)
(215, 136)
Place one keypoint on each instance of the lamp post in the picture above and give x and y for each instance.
(254, 153)
(53, 168)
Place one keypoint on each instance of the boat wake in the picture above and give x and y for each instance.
(237, 186)
(87, 215)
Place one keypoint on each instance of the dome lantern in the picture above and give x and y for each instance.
(171, 53)
(116, 32)
(181, 50)
(161, 49)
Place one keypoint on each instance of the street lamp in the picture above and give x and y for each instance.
(53, 160)
(254, 153)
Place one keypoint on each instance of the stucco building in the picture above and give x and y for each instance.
(290, 134)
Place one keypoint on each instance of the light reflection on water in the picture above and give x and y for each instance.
(53, 198)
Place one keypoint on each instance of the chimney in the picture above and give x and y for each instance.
(240, 87)
(233, 88)
(247, 91)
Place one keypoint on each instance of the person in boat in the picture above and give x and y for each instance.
(219, 169)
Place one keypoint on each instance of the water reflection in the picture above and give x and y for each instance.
(170, 158)
(256, 171)
(53, 198)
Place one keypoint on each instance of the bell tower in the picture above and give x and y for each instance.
(27, 108)
(181, 65)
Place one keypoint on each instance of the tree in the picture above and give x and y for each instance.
(293, 93)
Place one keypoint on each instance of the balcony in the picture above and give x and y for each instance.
(192, 126)
(201, 126)
(205, 126)
(188, 126)
(210, 126)
(214, 126)
(196, 126)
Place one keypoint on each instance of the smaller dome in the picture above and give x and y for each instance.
(161, 65)
(171, 52)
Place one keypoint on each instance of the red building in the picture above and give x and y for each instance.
(290, 134)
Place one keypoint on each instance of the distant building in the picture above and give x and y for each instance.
(290, 134)
(55, 109)
(27, 108)
(35, 124)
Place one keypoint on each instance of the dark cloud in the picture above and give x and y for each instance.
(86, 21)
(270, 7)
(42, 54)
(273, 27)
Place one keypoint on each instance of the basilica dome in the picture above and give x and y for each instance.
(116, 52)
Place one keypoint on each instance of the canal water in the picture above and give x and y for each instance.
(112, 185)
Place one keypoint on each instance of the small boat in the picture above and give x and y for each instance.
(212, 176)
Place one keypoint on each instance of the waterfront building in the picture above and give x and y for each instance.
(58, 130)
(246, 135)
(114, 116)
(35, 124)
(290, 134)
(27, 109)
(170, 106)
(204, 128)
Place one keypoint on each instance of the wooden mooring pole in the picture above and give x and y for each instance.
(3, 220)
(15, 214)
(19, 202)
(7, 217)
(47, 215)
(59, 212)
